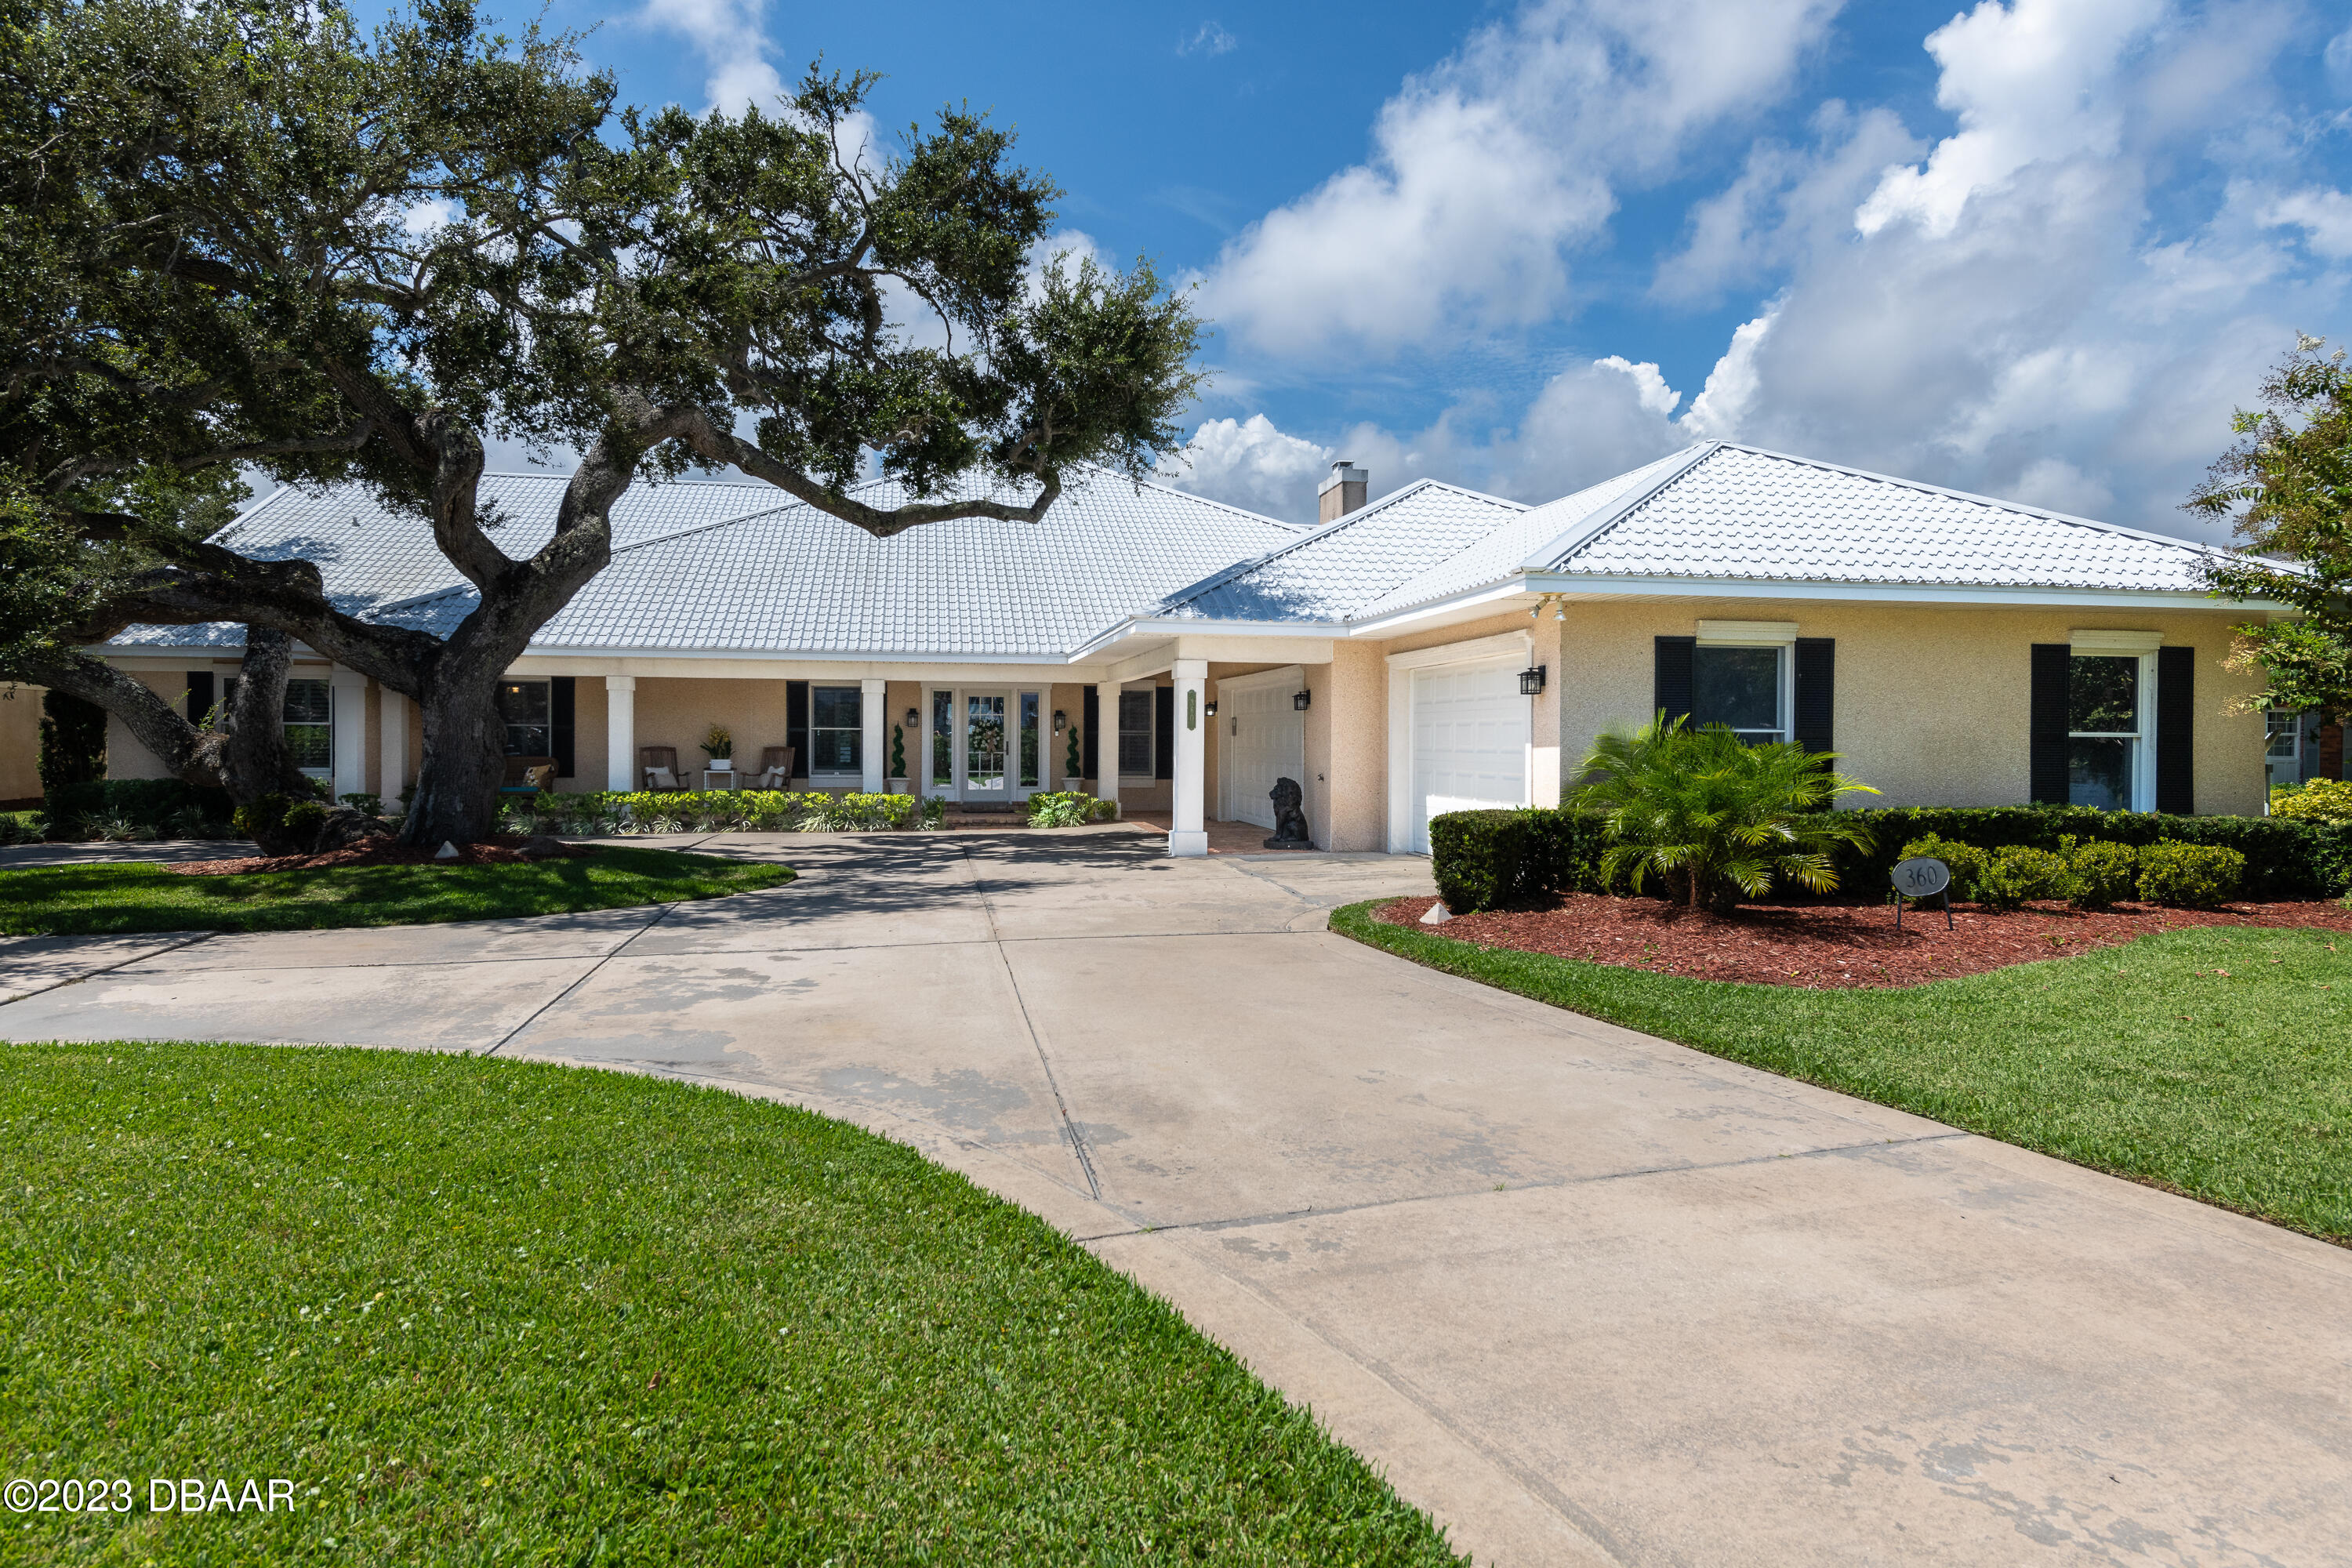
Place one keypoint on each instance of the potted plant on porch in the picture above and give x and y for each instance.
(897, 782)
(720, 745)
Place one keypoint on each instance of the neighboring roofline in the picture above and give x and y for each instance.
(1594, 525)
(1994, 501)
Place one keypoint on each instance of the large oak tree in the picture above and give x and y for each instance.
(247, 237)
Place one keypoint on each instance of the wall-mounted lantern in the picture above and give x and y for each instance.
(1299, 699)
(913, 719)
(1531, 681)
(1061, 721)
(1212, 709)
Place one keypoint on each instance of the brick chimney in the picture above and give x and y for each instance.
(1342, 494)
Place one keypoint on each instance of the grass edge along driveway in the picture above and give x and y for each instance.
(487, 1310)
(141, 895)
(2212, 1061)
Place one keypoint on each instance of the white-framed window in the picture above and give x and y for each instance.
(2284, 736)
(836, 731)
(526, 708)
(310, 718)
(2108, 759)
(1743, 677)
(1138, 711)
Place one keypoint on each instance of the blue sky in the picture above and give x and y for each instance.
(2035, 249)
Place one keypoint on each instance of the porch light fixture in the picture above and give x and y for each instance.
(1299, 699)
(1531, 681)
(1212, 709)
(1061, 721)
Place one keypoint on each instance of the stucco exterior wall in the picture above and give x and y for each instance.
(1347, 748)
(20, 743)
(679, 713)
(127, 757)
(1931, 703)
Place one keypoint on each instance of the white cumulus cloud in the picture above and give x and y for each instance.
(1250, 464)
(1487, 171)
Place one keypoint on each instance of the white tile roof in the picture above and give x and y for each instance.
(734, 570)
(1342, 567)
(725, 568)
(1733, 511)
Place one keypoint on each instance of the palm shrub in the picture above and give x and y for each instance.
(1715, 818)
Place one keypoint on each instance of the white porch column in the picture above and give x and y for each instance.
(1186, 834)
(1105, 745)
(349, 719)
(621, 732)
(873, 726)
(391, 745)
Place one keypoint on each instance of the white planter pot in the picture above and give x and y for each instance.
(722, 765)
(897, 787)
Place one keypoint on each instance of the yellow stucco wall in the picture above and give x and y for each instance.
(1931, 702)
(20, 743)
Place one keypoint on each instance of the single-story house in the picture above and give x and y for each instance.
(1436, 649)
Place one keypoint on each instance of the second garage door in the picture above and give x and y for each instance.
(1470, 735)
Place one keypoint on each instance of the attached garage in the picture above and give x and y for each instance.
(1261, 737)
(1464, 730)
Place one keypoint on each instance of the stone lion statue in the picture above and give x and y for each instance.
(1290, 830)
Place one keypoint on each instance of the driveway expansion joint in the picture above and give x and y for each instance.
(540, 1011)
(108, 968)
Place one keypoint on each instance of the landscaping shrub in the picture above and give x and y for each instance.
(1486, 860)
(2321, 800)
(1069, 809)
(2197, 875)
(2017, 873)
(1965, 862)
(168, 806)
(17, 827)
(365, 804)
(608, 812)
(117, 830)
(2105, 874)
(2286, 857)
(1718, 819)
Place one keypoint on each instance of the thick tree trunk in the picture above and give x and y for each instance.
(463, 760)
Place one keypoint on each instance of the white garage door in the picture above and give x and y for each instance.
(1469, 740)
(1263, 739)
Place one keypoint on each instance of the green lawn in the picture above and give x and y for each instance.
(481, 1310)
(144, 897)
(2215, 1061)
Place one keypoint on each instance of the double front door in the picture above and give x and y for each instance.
(986, 744)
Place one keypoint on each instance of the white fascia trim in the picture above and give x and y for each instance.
(1500, 645)
(1874, 592)
(793, 655)
(1197, 627)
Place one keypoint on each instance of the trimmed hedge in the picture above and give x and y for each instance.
(2286, 857)
(1487, 859)
(159, 803)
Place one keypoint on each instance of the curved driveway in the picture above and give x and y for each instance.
(1587, 1296)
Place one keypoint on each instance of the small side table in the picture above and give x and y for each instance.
(720, 779)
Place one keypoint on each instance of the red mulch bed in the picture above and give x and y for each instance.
(503, 849)
(1832, 946)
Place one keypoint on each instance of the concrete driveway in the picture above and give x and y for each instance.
(1586, 1296)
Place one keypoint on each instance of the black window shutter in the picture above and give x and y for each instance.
(797, 726)
(1672, 693)
(1816, 692)
(2175, 729)
(563, 700)
(200, 695)
(2045, 724)
(1090, 736)
(1163, 732)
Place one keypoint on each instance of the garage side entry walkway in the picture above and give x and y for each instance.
(1586, 1296)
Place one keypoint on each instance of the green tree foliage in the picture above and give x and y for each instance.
(2286, 486)
(256, 239)
(1717, 819)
